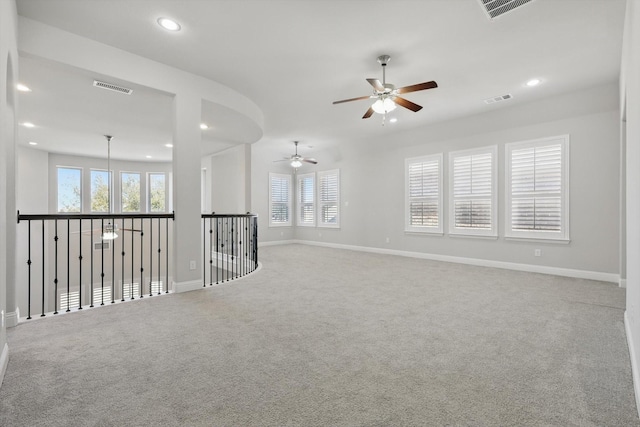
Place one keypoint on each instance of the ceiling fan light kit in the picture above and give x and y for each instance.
(296, 160)
(386, 95)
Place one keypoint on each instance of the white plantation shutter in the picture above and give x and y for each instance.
(279, 199)
(537, 186)
(424, 193)
(305, 200)
(473, 200)
(329, 198)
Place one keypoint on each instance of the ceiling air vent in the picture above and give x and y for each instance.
(111, 86)
(495, 8)
(498, 99)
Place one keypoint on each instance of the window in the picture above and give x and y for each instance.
(157, 192)
(100, 191)
(306, 197)
(69, 189)
(473, 201)
(537, 183)
(130, 191)
(329, 198)
(423, 195)
(279, 200)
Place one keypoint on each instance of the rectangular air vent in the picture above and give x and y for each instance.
(103, 245)
(111, 86)
(495, 8)
(498, 99)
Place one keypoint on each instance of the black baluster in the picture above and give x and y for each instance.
(150, 256)
(217, 249)
(132, 256)
(122, 263)
(166, 284)
(29, 268)
(141, 292)
(159, 253)
(92, 251)
(55, 275)
(80, 264)
(102, 262)
(68, 266)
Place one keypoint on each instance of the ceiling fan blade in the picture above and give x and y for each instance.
(131, 229)
(368, 114)
(407, 104)
(417, 87)
(352, 99)
(283, 160)
(376, 85)
(313, 161)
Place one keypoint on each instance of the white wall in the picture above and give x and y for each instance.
(630, 89)
(372, 184)
(229, 178)
(8, 110)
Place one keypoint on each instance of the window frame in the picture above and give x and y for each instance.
(320, 204)
(110, 207)
(299, 179)
(288, 179)
(149, 175)
(58, 167)
(139, 191)
(424, 229)
(467, 232)
(563, 235)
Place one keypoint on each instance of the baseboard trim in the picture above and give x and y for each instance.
(278, 242)
(13, 318)
(635, 374)
(556, 271)
(190, 285)
(4, 361)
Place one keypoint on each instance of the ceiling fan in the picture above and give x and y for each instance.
(386, 94)
(296, 159)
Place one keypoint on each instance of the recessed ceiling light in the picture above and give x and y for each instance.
(533, 82)
(168, 145)
(393, 119)
(169, 24)
(148, 157)
(28, 125)
(204, 126)
(22, 88)
(33, 143)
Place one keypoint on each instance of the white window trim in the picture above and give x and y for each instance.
(319, 201)
(464, 232)
(109, 186)
(423, 229)
(299, 179)
(148, 192)
(140, 195)
(81, 186)
(288, 178)
(563, 235)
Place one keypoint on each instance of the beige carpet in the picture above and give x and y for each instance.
(324, 337)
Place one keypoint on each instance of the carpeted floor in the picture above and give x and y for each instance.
(325, 337)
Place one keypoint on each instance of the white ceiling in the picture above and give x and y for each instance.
(294, 57)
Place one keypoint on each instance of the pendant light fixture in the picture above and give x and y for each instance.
(109, 231)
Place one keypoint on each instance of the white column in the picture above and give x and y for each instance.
(187, 254)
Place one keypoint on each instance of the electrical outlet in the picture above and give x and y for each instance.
(537, 252)
(319, 234)
(192, 265)
(387, 240)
